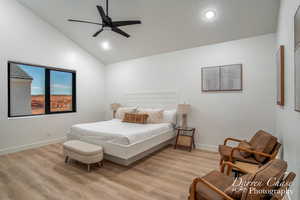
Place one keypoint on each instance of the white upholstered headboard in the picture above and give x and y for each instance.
(165, 99)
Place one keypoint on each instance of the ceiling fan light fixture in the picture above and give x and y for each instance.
(107, 28)
(105, 45)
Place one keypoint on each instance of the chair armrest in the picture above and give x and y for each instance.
(230, 165)
(274, 154)
(248, 150)
(209, 185)
(231, 139)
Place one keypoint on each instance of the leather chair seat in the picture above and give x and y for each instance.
(225, 152)
(218, 179)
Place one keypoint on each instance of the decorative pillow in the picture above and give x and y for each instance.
(170, 116)
(135, 118)
(122, 110)
(155, 115)
(244, 144)
(236, 190)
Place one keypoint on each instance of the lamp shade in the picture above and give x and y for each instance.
(115, 106)
(183, 108)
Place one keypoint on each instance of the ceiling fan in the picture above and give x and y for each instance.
(107, 22)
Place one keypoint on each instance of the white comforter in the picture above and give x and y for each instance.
(119, 132)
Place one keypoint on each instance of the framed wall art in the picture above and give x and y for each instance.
(297, 60)
(280, 76)
(222, 78)
(211, 79)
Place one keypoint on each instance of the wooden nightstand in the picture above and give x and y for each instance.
(185, 137)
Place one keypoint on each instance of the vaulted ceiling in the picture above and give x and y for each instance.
(167, 25)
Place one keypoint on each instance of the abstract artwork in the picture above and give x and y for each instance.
(211, 79)
(222, 78)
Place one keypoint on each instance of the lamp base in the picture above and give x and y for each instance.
(184, 121)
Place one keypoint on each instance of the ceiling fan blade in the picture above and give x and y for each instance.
(98, 32)
(102, 13)
(126, 23)
(81, 21)
(117, 30)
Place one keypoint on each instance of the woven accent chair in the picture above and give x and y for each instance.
(218, 186)
(264, 147)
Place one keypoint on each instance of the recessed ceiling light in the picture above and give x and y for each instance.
(209, 15)
(105, 45)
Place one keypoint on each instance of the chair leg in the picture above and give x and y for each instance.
(192, 194)
(100, 164)
(66, 159)
(222, 168)
(229, 170)
(221, 162)
(236, 174)
(89, 167)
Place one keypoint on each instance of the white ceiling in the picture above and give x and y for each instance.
(167, 25)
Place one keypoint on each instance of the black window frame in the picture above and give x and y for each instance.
(47, 89)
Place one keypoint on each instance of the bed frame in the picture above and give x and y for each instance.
(129, 161)
(128, 154)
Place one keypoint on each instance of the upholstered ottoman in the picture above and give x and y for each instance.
(83, 152)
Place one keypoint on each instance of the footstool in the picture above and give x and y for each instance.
(83, 152)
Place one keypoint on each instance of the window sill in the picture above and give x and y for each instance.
(43, 116)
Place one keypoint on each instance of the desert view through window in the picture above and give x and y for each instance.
(29, 91)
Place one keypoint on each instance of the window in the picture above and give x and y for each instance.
(61, 92)
(39, 90)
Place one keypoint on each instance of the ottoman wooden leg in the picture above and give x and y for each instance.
(100, 164)
(89, 167)
(67, 159)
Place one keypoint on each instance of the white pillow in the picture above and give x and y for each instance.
(154, 115)
(122, 110)
(170, 116)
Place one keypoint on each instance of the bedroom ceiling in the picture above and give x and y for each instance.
(167, 25)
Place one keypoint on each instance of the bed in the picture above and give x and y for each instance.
(125, 143)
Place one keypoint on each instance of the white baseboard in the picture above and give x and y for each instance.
(30, 146)
(207, 147)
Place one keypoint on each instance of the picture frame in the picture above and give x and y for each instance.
(280, 76)
(297, 59)
(222, 78)
(210, 79)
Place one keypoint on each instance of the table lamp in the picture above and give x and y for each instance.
(115, 107)
(183, 109)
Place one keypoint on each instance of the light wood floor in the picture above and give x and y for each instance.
(40, 174)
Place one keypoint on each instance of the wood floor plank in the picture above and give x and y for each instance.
(41, 174)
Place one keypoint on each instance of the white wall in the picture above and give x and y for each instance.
(288, 120)
(216, 115)
(26, 38)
